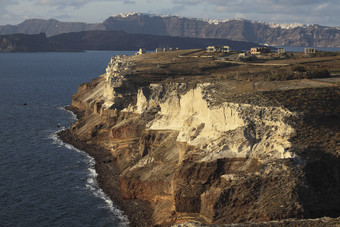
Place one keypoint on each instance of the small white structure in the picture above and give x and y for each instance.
(224, 49)
(281, 50)
(141, 51)
(310, 50)
(259, 50)
(166, 49)
(211, 49)
(243, 56)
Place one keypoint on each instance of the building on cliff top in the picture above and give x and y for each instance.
(159, 50)
(223, 49)
(259, 50)
(141, 51)
(310, 50)
(281, 50)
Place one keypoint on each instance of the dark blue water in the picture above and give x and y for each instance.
(44, 182)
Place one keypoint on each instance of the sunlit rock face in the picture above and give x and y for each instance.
(226, 131)
(118, 67)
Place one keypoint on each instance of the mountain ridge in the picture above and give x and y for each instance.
(217, 21)
(50, 27)
(233, 29)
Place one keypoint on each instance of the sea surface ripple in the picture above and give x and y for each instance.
(44, 182)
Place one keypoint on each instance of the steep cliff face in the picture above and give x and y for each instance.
(196, 159)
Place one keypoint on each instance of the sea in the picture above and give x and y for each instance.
(44, 182)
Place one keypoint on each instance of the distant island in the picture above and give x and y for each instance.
(232, 29)
(107, 40)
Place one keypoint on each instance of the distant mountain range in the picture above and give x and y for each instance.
(233, 29)
(50, 27)
(107, 40)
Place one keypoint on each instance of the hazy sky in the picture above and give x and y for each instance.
(324, 12)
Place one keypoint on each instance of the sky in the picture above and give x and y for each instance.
(323, 12)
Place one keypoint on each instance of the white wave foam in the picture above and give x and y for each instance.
(92, 186)
(91, 181)
(55, 138)
(74, 116)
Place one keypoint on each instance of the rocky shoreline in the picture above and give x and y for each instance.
(138, 211)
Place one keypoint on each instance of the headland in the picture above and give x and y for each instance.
(215, 138)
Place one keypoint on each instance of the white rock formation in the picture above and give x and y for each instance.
(115, 76)
(227, 130)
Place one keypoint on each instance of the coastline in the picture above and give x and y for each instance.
(138, 211)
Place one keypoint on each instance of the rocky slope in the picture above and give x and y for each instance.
(234, 29)
(200, 140)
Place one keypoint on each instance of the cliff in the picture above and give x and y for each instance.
(213, 141)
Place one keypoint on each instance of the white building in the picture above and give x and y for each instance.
(259, 50)
(310, 50)
(281, 50)
(141, 51)
(224, 49)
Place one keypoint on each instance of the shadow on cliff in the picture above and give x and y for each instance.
(319, 191)
(318, 134)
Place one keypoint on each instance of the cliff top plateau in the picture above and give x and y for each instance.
(215, 138)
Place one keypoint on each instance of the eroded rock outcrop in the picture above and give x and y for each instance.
(193, 159)
(229, 130)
